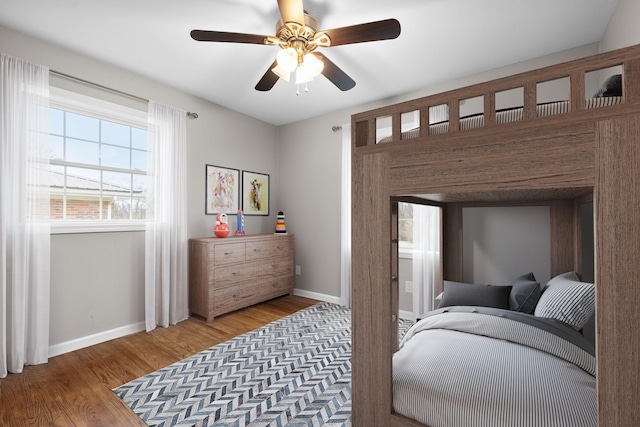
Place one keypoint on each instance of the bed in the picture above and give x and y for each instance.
(585, 151)
(509, 358)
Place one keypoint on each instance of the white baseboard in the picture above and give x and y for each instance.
(316, 295)
(77, 344)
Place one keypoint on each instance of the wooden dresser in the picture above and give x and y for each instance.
(229, 273)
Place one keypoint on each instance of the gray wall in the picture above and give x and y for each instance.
(623, 29)
(500, 244)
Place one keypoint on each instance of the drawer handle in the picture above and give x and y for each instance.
(257, 250)
(275, 265)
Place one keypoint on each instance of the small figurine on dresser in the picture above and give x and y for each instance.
(281, 227)
(222, 228)
(240, 224)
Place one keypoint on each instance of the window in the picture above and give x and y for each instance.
(405, 229)
(98, 156)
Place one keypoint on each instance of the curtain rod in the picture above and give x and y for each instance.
(119, 92)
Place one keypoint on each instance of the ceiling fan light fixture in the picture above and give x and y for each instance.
(303, 75)
(282, 73)
(287, 59)
(312, 65)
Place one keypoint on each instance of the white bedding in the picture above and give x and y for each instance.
(473, 369)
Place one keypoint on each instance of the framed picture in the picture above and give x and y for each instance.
(222, 190)
(255, 193)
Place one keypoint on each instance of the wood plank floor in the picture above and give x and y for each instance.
(75, 389)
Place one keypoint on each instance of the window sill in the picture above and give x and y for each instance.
(405, 253)
(74, 227)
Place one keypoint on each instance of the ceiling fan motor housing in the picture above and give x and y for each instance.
(304, 38)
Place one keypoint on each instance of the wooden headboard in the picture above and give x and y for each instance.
(561, 158)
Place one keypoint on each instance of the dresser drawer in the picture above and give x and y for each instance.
(228, 253)
(278, 247)
(259, 270)
(249, 293)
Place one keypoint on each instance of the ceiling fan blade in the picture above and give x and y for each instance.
(335, 75)
(372, 31)
(268, 80)
(291, 11)
(221, 36)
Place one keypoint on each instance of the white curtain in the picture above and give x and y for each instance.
(345, 228)
(166, 286)
(24, 214)
(426, 256)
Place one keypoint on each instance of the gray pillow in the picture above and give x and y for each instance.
(457, 293)
(525, 293)
(568, 299)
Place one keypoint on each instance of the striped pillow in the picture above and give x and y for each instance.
(568, 299)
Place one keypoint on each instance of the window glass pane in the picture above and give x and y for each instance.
(139, 184)
(116, 183)
(139, 138)
(83, 179)
(79, 208)
(82, 151)
(56, 182)
(116, 157)
(405, 222)
(82, 127)
(56, 147)
(119, 207)
(56, 210)
(56, 121)
(56, 177)
(139, 160)
(115, 134)
(139, 208)
(116, 193)
(82, 193)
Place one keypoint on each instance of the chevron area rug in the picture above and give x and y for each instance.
(295, 371)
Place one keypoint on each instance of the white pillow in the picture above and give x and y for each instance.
(568, 299)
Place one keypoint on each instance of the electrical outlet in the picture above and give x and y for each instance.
(298, 270)
(408, 286)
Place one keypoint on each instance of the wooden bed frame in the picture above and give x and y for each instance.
(559, 160)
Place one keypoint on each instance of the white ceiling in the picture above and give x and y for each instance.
(440, 40)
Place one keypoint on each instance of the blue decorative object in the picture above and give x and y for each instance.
(240, 224)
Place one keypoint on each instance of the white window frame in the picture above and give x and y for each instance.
(89, 106)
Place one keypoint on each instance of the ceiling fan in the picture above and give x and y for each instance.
(298, 35)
